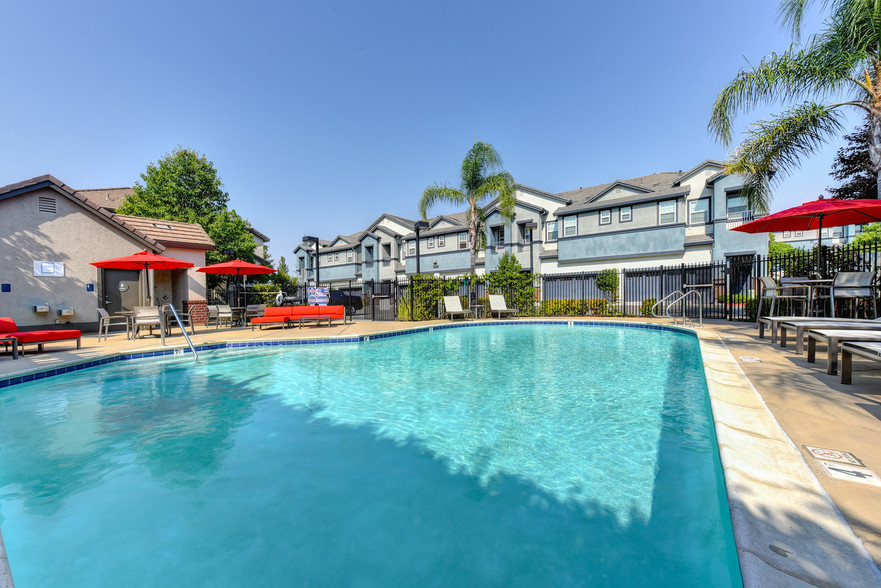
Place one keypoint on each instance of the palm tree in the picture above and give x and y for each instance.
(481, 178)
(838, 67)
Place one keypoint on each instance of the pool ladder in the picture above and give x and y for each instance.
(680, 297)
(179, 324)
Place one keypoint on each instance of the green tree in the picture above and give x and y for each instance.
(184, 186)
(607, 281)
(283, 269)
(838, 67)
(482, 178)
(853, 166)
(871, 234)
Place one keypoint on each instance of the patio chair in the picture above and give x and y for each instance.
(145, 316)
(833, 338)
(253, 311)
(802, 325)
(453, 307)
(497, 305)
(788, 291)
(852, 286)
(224, 314)
(107, 320)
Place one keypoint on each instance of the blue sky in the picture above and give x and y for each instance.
(321, 115)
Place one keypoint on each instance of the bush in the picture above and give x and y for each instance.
(607, 281)
(263, 293)
(645, 309)
(574, 307)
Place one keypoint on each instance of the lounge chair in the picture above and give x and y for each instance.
(849, 349)
(9, 330)
(497, 305)
(145, 316)
(802, 326)
(107, 320)
(833, 337)
(453, 307)
(773, 323)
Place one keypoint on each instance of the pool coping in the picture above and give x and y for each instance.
(787, 529)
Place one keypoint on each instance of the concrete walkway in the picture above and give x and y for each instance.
(812, 408)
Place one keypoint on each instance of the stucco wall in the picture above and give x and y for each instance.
(73, 236)
(651, 242)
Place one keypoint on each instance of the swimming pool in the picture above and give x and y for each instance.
(512, 455)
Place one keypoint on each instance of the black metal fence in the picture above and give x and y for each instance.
(726, 289)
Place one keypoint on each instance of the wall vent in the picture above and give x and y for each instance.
(47, 204)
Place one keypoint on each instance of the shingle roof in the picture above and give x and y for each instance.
(170, 233)
(660, 182)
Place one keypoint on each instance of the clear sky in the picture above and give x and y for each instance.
(321, 115)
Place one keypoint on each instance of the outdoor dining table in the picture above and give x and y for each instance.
(813, 285)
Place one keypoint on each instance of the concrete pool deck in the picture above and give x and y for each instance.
(795, 524)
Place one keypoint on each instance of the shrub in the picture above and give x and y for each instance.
(607, 281)
(575, 307)
(645, 309)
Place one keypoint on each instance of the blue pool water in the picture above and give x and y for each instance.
(486, 456)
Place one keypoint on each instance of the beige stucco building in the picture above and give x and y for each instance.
(49, 234)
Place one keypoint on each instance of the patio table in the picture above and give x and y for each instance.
(11, 341)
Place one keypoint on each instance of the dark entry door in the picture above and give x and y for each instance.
(121, 289)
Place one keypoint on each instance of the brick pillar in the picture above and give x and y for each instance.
(198, 310)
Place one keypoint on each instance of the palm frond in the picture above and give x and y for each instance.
(499, 185)
(482, 159)
(791, 13)
(775, 147)
(437, 193)
(819, 70)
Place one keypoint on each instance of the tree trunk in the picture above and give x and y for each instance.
(875, 145)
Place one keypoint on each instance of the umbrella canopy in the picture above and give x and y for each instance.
(236, 267)
(816, 215)
(143, 260)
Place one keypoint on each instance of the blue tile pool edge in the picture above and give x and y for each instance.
(178, 350)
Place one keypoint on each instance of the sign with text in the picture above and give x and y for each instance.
(318, 296)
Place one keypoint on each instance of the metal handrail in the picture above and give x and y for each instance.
(179, 324)
(663, 300)
(683, 298)
(680, 297)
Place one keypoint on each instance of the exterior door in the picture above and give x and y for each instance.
(121, 289)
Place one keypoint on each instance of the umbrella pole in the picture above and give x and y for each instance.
(820, 246)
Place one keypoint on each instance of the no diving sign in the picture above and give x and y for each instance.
(834, 455)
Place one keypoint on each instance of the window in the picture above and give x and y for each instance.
(440, 241)
(463, 240)
(570, 226)
(336, 256)
(350, 256)
(525, 234)
(698, 212)
(605, 217)
(411, 248)
(787, 234)
(667, 212)
(824, 232)
(301, 263)
(430, 242)
(799, 233)
(625, 214)
(737, 206)
(497, 235)
(837, 232)
(552, 231)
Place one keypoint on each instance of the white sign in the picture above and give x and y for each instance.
(53, 269)
(834, 455)
(318, 296)
(843, 472)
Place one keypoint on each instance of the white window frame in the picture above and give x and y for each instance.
(429, 242)
(787, 234)
(742, 207)
(350, 256)
(625, 214)
(662, 206)
(463, 240)
(552, 235)
(606, 217)
(705, 214)
(799, 233)
(570, 226)
(498, 235)
(440, 241)
(336, 256)
(411, 248)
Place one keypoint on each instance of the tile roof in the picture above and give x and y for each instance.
(169, 233)
(108, 198)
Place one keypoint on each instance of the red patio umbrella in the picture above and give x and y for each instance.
(814, 215)
(236, 267)
(143, 260)
(830, 212)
